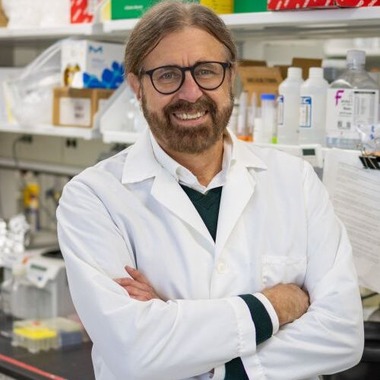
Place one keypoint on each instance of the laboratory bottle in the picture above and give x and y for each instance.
(242, 122)
(31, 194)
(352, 101)
(288, 103)
(233, 122)
(268, 125)
(312, 125)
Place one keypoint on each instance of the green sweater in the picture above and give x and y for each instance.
(207, 206)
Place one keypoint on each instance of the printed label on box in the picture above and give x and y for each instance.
(91, 64)
(75, 111)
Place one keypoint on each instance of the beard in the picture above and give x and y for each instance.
(194, 139)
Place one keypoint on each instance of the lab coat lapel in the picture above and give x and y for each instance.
(141, 165)
(235, 196)
(169, 193)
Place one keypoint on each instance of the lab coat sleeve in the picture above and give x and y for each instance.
(328, 338)
(140, 340)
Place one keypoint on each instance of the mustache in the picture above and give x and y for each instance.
(202, 104)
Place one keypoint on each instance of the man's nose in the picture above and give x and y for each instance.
(189, 90)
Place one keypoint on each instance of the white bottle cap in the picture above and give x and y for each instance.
(316, 72)
(356, 57)
(294, 72)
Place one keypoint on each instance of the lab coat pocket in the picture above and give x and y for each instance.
(283, 269)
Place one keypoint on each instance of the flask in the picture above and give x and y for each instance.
(352, 101)
(268, 132)
(288, 103)
(312, 126)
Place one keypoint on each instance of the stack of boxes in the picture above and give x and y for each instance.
(90, 72)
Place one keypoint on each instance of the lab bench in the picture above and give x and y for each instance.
(67, 363)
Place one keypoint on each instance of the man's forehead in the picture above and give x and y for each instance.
(191, 42)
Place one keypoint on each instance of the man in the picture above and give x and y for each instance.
(237, 266)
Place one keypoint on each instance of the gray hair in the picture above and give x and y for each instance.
(167, 17)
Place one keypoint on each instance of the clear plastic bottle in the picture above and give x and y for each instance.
(288, 103)
(268, 134)
(352, 100)
(242, 122)
(312, 126)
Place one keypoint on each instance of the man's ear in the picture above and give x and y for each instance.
(135, 84)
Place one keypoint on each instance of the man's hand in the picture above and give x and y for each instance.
(289, 301)
(138, 287)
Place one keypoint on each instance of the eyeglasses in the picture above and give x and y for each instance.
(169, 79)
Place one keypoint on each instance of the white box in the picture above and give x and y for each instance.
(91, 64)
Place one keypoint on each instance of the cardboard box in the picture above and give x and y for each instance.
(277, 5)
(259, 79)
(91, 64)
(3, 17)
(75, 107)
(305, 64)
(124, 9)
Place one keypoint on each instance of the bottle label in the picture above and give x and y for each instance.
(280, 110)
(348, 108)
(305, 111)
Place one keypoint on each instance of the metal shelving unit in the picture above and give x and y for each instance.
(300, 24)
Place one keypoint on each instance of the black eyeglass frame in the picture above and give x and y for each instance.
(225, 65)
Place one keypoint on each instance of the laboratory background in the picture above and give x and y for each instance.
(308, 83)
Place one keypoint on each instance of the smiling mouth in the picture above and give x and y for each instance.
(189, 116)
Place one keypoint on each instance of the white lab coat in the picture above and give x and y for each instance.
(276, 225)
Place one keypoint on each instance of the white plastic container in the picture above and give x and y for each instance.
(312, 127)
(352, 101)
(288, 103)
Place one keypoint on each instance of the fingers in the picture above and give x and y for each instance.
(137, 290)
(136, 275)
(138, 287)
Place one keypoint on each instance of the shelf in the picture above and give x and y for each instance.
(283, 24)
(316, 23)
(119, 137)
(338, 47)
(40, 167)
(51, 130)
(50, 33)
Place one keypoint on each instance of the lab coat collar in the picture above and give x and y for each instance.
(244, 154)
(141, 164)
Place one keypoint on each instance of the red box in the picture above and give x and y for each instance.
(277, 5)
(357, 3)
(80, 11)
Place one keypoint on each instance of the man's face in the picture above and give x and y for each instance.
(192, 119)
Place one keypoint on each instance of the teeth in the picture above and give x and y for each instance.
(189, 116)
